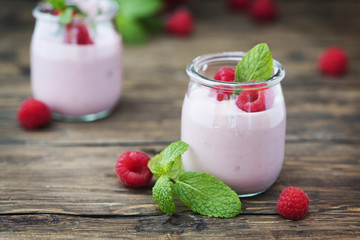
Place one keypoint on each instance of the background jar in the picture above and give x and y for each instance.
(79, 81)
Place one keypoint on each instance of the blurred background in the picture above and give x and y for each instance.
(155, 57)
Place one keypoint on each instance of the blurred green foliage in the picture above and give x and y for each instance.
(136, 19)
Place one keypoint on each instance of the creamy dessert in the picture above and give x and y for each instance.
(235, 131)
(244, 150)
(76, 67)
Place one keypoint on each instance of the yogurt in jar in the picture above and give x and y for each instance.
(76, 80)
(245, 150)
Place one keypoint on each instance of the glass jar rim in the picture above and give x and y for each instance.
(104, 16)
(199, 62)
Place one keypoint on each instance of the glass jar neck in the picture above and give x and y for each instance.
(106, 12)
(199, 71)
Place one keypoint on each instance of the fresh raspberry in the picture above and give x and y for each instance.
(255, 100)
(132, 169)
(83, 36)
(333, 61)
(224, 74)
(33, 114)
(264, 10)
(78, 34)
(56, 12)
(293, 203)
(238, 5)
(180, 23)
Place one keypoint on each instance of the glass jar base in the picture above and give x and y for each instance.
(250, 194)
(84, 118)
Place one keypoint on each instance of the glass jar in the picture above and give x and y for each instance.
(235, 130)
(76, 69)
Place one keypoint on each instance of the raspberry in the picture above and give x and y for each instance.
(78, 34)
(255, 100)
(264, 10)
(83, 36)
(238, 5)
(224, 74)
(333, 61)
(56, 12)
(293, 203)
(33, 114)
(180, 23)
(131, 168)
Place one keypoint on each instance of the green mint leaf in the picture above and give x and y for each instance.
(139, 8)
(171, 153)
(162, 194)
(57, 4)
(206, 195)
(131, 30)
(155, 167)
(153, 24)
(257, 64)
(66, 16)
(177, 169)
(79, 12)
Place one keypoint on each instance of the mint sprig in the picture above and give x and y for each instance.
(57, 4)
(162, 194)
(201, 192)
(257, 64)
(66, 11)
(66, 16)
(206, 195)
(136, 19)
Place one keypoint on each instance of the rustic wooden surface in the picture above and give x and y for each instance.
(59, 182)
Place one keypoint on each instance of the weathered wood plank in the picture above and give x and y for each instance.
(180, 226)
(59, 182)
(81, 180)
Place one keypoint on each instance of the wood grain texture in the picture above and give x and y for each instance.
(82, 181)
(59, 183)
(183, 226)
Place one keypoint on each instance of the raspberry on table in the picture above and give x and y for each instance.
(131, 168)
(180, 23)
(333, 61)
(33, 114)
(263, 10)
(255, 100)
(293, 203)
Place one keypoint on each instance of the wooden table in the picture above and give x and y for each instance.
(59, 182)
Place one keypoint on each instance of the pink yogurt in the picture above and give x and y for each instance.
(76, 80)
(245, 150)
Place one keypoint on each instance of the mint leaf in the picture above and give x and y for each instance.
(66, 16)
(155, 167)
(257, 64)
(131, 30)
(177, 169)
(172, 152)
(153, 24)
(162, 194)
(57, 4)
(135, 9)
(206, 195)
